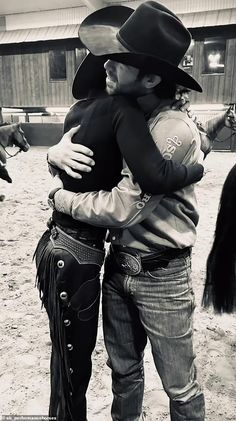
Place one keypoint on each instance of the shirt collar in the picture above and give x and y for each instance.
(151, 102)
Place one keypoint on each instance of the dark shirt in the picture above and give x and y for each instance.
(115, 127)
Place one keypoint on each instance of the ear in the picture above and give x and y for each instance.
(150, 81)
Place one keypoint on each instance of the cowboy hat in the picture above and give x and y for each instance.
(152, 38)
(91, 75)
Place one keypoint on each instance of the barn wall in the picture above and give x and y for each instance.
(217, 88)
(25, 78)
(25, 72)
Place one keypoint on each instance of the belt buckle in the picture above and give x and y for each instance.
(130, 264)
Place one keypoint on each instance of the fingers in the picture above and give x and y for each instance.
(74, 130)
(76, 169)
(77, 165)
(67, 136)
(72, 173)
(79, 158)
(78, 148)
(75, 147)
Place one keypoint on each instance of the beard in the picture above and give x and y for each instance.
(134, 88)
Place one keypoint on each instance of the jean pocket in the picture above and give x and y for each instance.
(174, 269)
(86, 300)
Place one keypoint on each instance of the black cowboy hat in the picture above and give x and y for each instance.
(91, 75)
(151, 38)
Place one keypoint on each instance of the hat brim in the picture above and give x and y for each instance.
(89, 77)
(98, 32)
(153, 65)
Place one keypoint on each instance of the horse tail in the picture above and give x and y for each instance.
(220, 286)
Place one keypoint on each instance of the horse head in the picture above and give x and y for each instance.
(19, 139)
(10, 134)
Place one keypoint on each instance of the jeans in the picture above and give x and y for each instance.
(68, 274)
(157, 305)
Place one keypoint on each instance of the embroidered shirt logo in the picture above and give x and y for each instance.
(172, 144)
(142, 203)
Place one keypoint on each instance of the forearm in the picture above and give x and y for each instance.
(150, 169)
(123, 206)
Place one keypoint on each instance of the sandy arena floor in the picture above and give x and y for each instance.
(25, 343)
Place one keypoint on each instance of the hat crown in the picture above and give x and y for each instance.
(154, 30)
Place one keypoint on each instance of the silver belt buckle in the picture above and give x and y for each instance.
(130, 264)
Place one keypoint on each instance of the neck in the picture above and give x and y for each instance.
(215, 125)
(6, 134)
(151, 102)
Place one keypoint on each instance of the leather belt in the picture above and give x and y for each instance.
(131, 263)
(82, 252)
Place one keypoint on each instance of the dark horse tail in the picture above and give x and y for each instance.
(220, 286)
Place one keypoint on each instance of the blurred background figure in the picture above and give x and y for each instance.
(210, 130)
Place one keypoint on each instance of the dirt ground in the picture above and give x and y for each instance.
(25, 343)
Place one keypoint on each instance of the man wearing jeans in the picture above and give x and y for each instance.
(147, 289)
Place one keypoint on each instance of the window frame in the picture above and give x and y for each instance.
(51, 55)
(221, 65)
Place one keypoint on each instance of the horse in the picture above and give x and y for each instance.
(220, 283)
(10, 134)
(209, 132)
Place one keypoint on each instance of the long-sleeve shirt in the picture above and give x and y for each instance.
(138, 219)
(115, 127)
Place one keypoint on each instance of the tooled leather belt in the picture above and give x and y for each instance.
(131, 263)
(83, 253)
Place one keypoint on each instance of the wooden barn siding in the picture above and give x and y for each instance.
(230, 75)
(25, 74)
(218, 88)
(212, 85)
(26, 82)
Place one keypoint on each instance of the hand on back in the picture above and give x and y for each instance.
(73, 158)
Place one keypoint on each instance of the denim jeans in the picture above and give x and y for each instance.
(158, 305)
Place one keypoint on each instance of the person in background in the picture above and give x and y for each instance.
(210, 130)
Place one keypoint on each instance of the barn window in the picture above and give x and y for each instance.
(214, 55)
(57, 65)
(187, 62)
